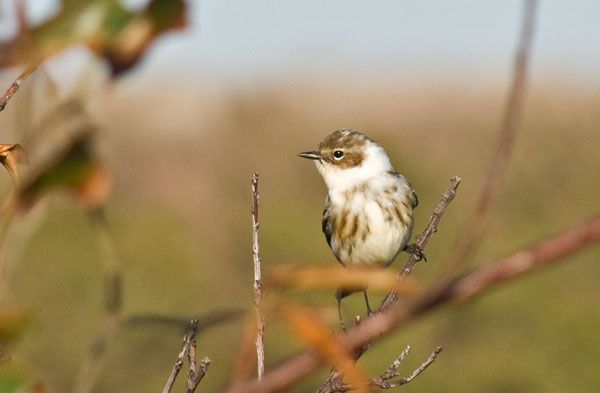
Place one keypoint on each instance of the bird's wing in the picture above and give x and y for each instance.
(326, 224)
(414, 200)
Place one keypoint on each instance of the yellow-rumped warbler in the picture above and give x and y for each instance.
(368, 216)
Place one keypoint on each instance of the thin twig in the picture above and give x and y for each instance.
(189, 347)
(14, 87)
(386, 384)
(422, 239)
(383, 381)
(260, 318)
(21, 16)
(470, 285)
(187, 342)
(392, 371)
(513, 112)
(192, 360)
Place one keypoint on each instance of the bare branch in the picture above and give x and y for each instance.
(14, 87)
(524, 261)
(472, 284)
(260, 318)
(513, 112)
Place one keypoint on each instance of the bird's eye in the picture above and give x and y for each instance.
(338, 154)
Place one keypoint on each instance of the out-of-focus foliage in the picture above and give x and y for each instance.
(11, 156)
(317, 334)
(110, 30)
(332, 277)
(13, 321)
(75, 168)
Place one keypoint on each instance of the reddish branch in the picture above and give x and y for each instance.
(524, 261)
(468, 286)
(513, 112)
(14, 87)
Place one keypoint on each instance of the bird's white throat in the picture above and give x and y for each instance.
(374, 165)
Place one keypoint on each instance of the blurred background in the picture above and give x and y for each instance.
(245, 87)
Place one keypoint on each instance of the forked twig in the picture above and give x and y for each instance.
(189, 348)
(188, 339)
(194, 378)
(384, 381)
(260, 318)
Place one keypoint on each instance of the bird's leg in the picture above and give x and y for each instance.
(369, 311)
(416, 250)
(339, 296)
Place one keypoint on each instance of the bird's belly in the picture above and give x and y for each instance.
(380, 236)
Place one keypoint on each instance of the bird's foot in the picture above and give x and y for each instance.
(417, 251)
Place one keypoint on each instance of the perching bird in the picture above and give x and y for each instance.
(368, 216)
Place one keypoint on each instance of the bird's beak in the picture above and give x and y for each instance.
(311, 155)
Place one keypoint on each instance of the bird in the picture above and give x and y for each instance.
(368, 214)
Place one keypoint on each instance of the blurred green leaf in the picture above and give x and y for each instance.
(76, 169)
(120, 36)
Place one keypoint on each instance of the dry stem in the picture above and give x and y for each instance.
(260, 318)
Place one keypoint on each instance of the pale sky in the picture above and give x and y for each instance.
(237, 40)
(250, 38)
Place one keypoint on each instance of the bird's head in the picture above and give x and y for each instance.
(347, 158)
